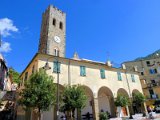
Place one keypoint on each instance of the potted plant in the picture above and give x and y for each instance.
(103, 116)
(121, 101)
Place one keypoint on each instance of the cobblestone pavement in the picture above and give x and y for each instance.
(138, 117)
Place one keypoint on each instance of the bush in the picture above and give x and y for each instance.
(103, 116)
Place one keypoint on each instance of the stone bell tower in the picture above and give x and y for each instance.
(53, 32)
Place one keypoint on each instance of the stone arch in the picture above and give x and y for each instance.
(89, 103)
(123, 92)
(135, 91)
(106, 100)
(137, 108)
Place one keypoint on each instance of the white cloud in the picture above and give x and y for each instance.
(6, 26)
(5, 47)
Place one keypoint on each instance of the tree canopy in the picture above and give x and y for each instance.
(39, 92)
(122, 100)
(73, 97)
(14, 74)
(138, 98)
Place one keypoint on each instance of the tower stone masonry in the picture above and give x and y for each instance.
(53, 32)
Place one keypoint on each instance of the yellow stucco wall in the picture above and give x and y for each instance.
(70, 74)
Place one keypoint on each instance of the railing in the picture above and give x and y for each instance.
(152, 96)
(151, 85)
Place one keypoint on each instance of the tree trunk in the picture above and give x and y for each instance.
(39, 114)
(79, 114)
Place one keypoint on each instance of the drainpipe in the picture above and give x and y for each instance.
(129, 94)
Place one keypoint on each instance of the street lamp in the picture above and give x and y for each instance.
(47, 67)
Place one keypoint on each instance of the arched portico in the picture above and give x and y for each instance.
(106, 100)
(54, 109)
(137, 108)
(89, 102)
(125, 110)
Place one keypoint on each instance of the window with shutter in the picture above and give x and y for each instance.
(82, 71)
(133, 78)
(102, 73)
(56, 67)
(119, 76)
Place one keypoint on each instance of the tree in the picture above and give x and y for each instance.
(15, 75)
(72, 98)
(39, 92)
(122, 100)
(138, 98)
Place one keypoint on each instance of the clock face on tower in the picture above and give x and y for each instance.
(57, 39)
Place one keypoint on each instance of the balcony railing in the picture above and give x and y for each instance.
(151, 85)
(152, 96)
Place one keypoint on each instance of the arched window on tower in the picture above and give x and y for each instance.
(54, 21)
(56, 52)
(61, 25)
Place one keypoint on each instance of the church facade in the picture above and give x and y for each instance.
(101, 81)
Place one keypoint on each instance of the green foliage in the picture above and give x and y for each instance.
(73, 97)
(39, 92)
(15, 75)
(138, 98)
(122, 100)
(103, 116)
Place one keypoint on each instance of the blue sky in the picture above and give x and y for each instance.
(97, 29)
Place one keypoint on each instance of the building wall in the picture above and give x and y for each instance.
(147, 78)
(70, 74)
(97, 89)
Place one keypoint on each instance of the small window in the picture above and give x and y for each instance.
(54, 21)
(153, 81)
(153, 71)
(61, 25)
(119, 76)
(102, 73)
(26, 76)
(82, 71)
(133, 78)
(142, 73)
(148, 62)
(56, 52)
(33, 69)
(56, 67)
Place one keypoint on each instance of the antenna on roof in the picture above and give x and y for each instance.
(108, 56)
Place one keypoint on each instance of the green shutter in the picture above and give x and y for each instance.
(119, 76)
(82, 71)
(102, 72)
(132, 77)
(56, 67)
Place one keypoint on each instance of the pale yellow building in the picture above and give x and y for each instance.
(100, 89)
(101, 81)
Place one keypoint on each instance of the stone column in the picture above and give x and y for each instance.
(95, 108)
(112, 107)
(144, 108)
(128, 113)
